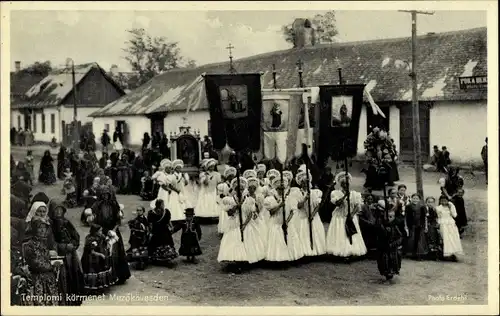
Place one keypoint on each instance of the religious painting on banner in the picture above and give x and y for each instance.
(280, 121)
(235, 104)
(340, 111)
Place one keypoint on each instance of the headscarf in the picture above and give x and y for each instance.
(34, 208)
(18, 207)
(53, 204)
(37, 222)
(22, 190)
(40, 197)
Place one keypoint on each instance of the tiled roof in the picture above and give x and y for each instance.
(54, 88)
(20, 83)
(380, 64)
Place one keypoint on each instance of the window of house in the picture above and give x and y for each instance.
(34, 123)
(209, 132)
(106, 127)
(18, 121)
(53, 123)
(43, 123)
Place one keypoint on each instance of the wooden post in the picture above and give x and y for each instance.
(239, 193)
(417, 153)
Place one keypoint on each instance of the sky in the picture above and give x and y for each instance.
(99, 36)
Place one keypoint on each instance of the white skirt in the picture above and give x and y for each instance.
(337, 242)
(277, 250)
(318, 234)
(451, 239)
(254, 244)
(162, 195)
(176, 206)
(117, 146)
(294, 243)
(223, 218)
(207, 204)
(231, 248)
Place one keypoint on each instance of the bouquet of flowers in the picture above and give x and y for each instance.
(379, 147)
(380, 151)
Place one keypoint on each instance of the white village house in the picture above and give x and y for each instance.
(46, 107)
(453, 112)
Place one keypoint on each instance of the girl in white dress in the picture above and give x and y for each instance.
(446, 212)
(337, 240)
(261, 220)
(267, 184)
(252, 239)
(177, 200)
(203, 184)
(277, 249)
(318, 230)
(208, 207)
(161, 178)
(232, 249)
(223, 190)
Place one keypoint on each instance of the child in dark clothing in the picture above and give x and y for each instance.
(461, 219)
(390, 241)
(147, 187)
(434, 239)
(190, 238)
(139, 231)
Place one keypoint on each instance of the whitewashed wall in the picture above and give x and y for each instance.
(197, 120)
(460, 126)
(47, 135)
(82, 114)
(138, 125)
(394, 128)
(14, 114)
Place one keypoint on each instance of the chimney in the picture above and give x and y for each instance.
(114, 69)
(17, 66)
(303, 33)
(431, 33)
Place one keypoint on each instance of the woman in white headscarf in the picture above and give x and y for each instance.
(39, 211)
(344, 237)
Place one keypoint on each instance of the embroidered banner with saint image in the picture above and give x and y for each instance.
(340, 111)
(235, 102)
(280, 122)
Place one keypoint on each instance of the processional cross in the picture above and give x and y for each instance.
(230, 49)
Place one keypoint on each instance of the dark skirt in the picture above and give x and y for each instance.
(119, 259)
(47, 175)
(434, 239)
(389, 261)
(70, 201)
(163, 253)
(137, 254)
(417, 245)
(190, 245)
(71, 280)
(99, 280)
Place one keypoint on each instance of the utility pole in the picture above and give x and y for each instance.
(76, 138)
(417, 152)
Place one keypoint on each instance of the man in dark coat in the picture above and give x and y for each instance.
(105, 141)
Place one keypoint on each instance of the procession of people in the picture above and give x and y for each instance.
(263, 215)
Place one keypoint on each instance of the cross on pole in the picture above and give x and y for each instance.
(417, 153)
(300, 64)
(230, 49)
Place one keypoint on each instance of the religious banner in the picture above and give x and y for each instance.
(235, 103)
(280, 123)
(340, 110)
